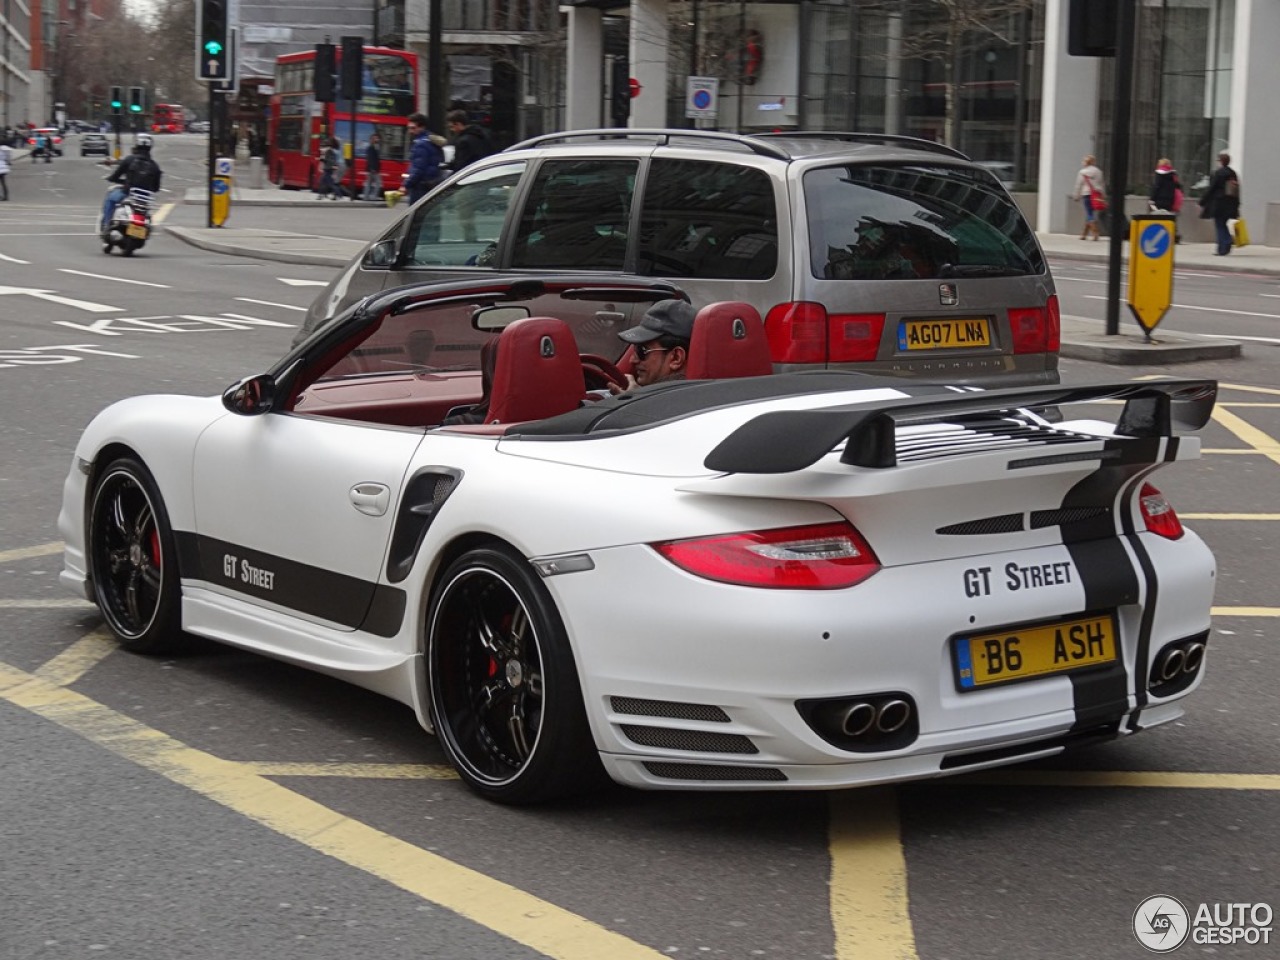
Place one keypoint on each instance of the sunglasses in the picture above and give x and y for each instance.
(643, 350)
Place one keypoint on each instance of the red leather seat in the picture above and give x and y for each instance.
(728, 341)
(537, 374)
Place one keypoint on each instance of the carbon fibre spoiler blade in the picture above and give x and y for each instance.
(784, 441)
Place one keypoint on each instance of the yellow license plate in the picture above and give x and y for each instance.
(947, 334)
(1026, 653)
(134, 231)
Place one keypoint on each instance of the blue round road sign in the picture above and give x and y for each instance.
(701, 99)
(1154, 240)
(220, 185)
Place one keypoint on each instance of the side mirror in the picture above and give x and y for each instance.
(251, 396)
(381, 254)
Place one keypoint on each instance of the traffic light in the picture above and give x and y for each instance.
(1091, 28)
(212, 56)
(117, 99)
(135, 99)
(352, 67)
(324, 72)
(620, 92)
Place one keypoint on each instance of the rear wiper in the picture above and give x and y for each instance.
(979, 270)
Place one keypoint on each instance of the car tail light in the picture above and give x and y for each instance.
(1158, 513)
(855, 336)
(820, 557)
(1036, 329)
(797, 332)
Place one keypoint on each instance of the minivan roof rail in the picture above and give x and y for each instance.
(755, 142)
(915, 143)
(664, 135)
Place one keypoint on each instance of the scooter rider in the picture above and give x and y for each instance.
(136, 170)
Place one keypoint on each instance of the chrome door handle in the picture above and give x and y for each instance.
(610, 316)
(371, 499)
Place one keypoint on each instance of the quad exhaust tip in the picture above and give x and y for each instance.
(1176, 666)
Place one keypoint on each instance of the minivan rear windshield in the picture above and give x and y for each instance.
(914, 221)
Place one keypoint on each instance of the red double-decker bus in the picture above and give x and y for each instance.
(299, 126)
(168, 118)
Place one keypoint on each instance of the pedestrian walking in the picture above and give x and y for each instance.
(470, 140)
(1090, 190)
(1221, 202)
(330, 164)
(6, 164)
(373, 169)
(424, 160)
(1166, 193)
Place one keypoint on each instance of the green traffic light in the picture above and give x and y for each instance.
(135, 108)
(116, 104)
(213, 48)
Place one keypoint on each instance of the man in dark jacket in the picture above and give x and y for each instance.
(1221, 202)
(470, 141)
(136, 170)
(424, 160)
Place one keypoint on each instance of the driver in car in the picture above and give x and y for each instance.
(661, 344)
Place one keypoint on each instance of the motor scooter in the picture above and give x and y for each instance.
(130, 223)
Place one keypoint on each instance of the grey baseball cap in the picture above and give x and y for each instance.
(666, 318)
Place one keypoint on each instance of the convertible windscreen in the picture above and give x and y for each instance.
(914, 222)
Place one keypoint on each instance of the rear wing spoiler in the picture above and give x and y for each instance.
(784, 441)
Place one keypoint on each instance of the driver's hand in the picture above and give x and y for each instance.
(631, 385)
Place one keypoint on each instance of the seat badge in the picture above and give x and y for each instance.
(547, 347)
(948, 296)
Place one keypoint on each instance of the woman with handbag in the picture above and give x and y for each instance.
(1091, 191)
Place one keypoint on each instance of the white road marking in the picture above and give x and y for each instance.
(54, 298)
(101, 276)
(271, 303)
(1189, 306)
(13, 259)
(302, 283)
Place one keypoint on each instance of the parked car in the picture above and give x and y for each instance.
(861, 251)
(94, 143)
(733, 581)
(54, 135)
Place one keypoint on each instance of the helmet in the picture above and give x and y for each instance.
(143, 140)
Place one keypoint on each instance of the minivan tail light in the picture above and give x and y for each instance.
(855, 337)
(1158, 513)
(1036, 329)
(797, 332)
(826, 556)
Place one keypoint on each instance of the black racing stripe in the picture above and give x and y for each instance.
(324, 594)
(1108, 574)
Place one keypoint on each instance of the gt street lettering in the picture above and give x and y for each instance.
(977, 582)
(1018, 577)
(256, 576)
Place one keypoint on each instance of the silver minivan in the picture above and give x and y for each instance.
(880, 253)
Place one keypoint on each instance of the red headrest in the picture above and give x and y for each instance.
(538, 373)
(728, 341)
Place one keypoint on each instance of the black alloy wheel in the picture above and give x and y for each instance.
(132, 559)
(505, 697)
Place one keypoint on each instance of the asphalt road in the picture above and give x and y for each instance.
(222, 805)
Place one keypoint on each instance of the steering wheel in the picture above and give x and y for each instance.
(595, 366)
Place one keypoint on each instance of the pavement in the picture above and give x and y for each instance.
(1083, 338)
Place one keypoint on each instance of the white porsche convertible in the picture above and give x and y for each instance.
(734, 581)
